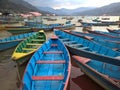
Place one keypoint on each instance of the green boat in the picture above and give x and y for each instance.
(19, 30)
(26, 48)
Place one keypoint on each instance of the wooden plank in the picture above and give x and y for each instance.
(47, 77)
(53, 52)
(50, 62)
(94, 56)
(34, 44)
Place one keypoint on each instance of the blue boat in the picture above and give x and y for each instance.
(106, 34)
(106, 41)
(13, 41)
(106, 75)
(79, 46)
(114, 31)
(49, 68)
(94, 24)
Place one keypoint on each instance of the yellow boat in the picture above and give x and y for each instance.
(27, 47)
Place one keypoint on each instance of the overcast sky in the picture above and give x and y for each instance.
(70, 4)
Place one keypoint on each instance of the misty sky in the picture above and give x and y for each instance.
(70, 4)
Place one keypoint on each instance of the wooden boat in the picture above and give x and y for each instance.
(26, 48)
(113, 31)
(106, 75)
(112, 35)
(49, 68)
(109, 42)
(79, 46)
(13, 41)
(19, 30)
(94, 24)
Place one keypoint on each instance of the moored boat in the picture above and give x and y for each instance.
(79, 46)
(106, 34)
(13, 41)
(49, 68)
(106, 41)
(106, 75)
(113, 31)
(27, 47)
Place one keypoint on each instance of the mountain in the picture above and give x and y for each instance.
(111, 9)
(17, 6)
(64, 11)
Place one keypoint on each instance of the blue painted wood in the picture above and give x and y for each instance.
(47, 69)
(104, 74)
(106, 41)
(12, 41)
(92, 50)
(114, 31)
(112, 35)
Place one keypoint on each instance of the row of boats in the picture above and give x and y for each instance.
(50, 65)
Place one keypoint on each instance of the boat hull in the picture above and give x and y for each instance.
(8, 45)
(102, 80)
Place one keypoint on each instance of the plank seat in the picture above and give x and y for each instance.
(47, 77)
(40, 36)
(54, 44)
(29, 49)
(83, 48)
(38, 40)
(69, 42)
(50, 62)
(74, 45)
(34, 44)
(53, 52)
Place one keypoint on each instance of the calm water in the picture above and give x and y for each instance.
(10, 75)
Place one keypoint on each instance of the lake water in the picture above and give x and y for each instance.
(10, 74)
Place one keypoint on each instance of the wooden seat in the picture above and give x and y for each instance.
(40, 36)
(33, 44)
(83, 48)
(73, 45)
(38, 40)
(68, 42)
(54, 44)
(47, 77)
(50, 62)
(53, 52)
(30, 49)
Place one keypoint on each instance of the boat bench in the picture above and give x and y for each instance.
(38, 40)
(47, 77)
(33, 44)
(83, 48)
(74, 45)
(40, 36)
(54, 44)
(53, 52)
(30, 49)
(69, 42)
(50, 62)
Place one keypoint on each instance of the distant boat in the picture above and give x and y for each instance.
(106, 75)
(26, 48)
(88, 24)
(49, 68)
(13, 41)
